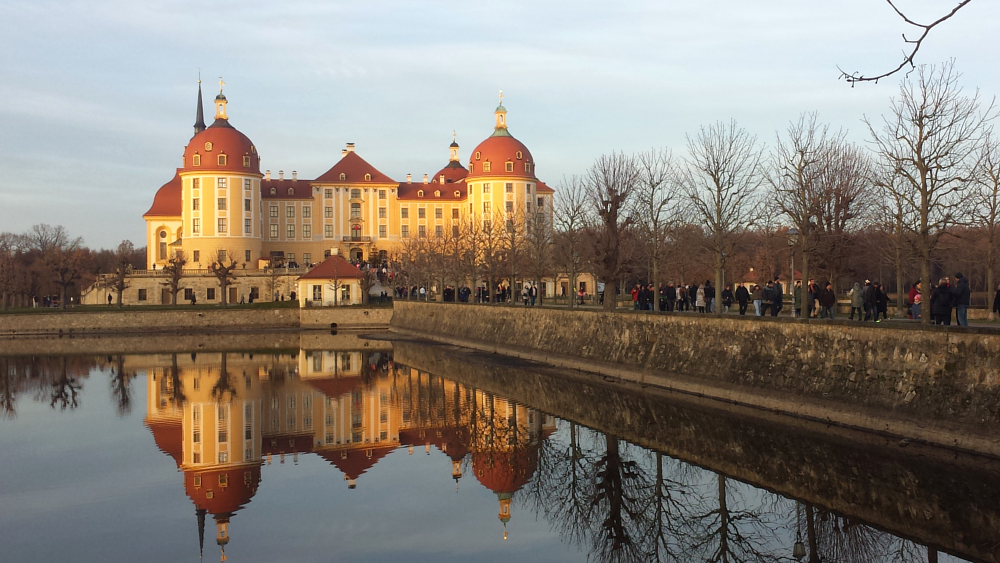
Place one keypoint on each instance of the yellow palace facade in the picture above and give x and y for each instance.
(220, 205)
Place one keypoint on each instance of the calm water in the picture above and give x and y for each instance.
(316, 454)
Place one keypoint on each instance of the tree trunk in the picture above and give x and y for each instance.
(900, 302)
(805, 284)
(612, 303)
(62, 296)
(811, 535)
(925, 291)
(990, 287)
(718, 281)
(723, 519)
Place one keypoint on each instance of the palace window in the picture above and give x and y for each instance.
(222, 224)
(355, 211)
(210, 294)
(381, 213)
(355, 194)
(518, 155)
(317, 295)
(306, 211)
(328, 193)
(421, 213)
(247, 226)
(368, 177)
(307, 231)
(381, 194)
(208, 146)
(274, 211)
(142, 295)
(328, 231)
(541, 201)
(222, 183)
(404, 213)
(196, 160)
(509, 166)
(307, 258)
(420, 193)
(454, 231)
(527, 167)
(381, 231)
(454, 213)
(328, 212)
(290, 211)
(438, 213)
(195, 183)
(508, 187)
(486, 207)
(291, 191)
(274, 231)
(486, 188)
(246, 184)
(222, 256)
(510, 207)
(471, 168)
(222, 160)
(478, 155)
(274, 191)
(195, 226)
(343, 176)
(246, 162)
(246, 258)
(486, 166)
(246, 205)
(196, 256)
(421, 231)
(404, 231)
(438, 232)
(222, 204)
(290, 231)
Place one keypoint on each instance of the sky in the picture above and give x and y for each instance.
(97, 97)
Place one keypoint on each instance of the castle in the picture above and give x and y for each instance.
(219, 206)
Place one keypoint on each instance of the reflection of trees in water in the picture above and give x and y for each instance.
(53, 379)
(223, 389)
(121, 380)
(666, 535)
(832, 537)
(729, 527)
(619, 508)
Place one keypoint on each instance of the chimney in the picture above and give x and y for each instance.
(267, 175)
(281, 174)
(409, 178)
(425, 178)
(295, 175)
(350, 148)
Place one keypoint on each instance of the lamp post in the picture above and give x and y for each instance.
(799, 549)
(793, 238)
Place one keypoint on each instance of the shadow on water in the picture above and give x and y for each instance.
(626, 475)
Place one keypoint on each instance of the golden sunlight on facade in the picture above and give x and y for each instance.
(222, 417)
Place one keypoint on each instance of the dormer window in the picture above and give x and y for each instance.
(208, 147)
(478, 155)
(343, 176)
(246, 162)
(437, 193)
(274, 191)
(518, 155)
(458, 194)
(222, 160)
(368, 177)
(486, 166)
(420, 193)
(471, 168)
(291, 191)
(196, 160)
(527, 167)
(510, 167)
(253, 149)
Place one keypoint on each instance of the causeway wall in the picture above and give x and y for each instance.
(936, 385)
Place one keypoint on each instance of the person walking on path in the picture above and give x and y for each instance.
(797, 299)
(962, 296)
(758, 299)
(743, 298)
(941, 303)
(871, 301)
(996, 302)
(911, 299)
(777, 297)
(699, 300)
(857, 297)
(727, 298)
(709, 296)
(882, 304)
(827, 302)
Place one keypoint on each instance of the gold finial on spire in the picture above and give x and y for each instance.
(453, 136)
(501, 96)
(199, 76)
(221, 84)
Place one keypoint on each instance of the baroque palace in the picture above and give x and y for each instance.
(220, 205)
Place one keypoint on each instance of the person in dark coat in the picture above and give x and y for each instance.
(709, 297)
(827, 302)
(961, 297)
(670, 294)
(727, 298)
(870, 293)
(941, 303)
(882, 302)
(996, 302)
(743, 298)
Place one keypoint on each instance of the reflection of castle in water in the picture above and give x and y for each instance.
(222, 416)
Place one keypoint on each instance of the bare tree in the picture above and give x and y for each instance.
(66, 265)
(223, 267)
(123, 268)
(570, 217)
(845, 181)
(492, 242)
(656, 201)
(722, 176)
(539, 246)
(987, 209)
(174, 271)
(853, 78)
(611, 183)
(930, 139)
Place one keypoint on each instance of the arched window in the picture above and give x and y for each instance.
(196, 160)
(291, 191)
(420, 193)
(458, 194)
(368, 177)
(343, 176)
(518, 155)
(274, 191)
(222, 160)
(478, 155)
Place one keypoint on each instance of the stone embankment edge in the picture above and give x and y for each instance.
(942, 433)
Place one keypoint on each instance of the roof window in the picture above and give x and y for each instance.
(420, 193)
(196, 160)
(510, 167)
(274, 191)
(291, 191)
(246, 162)
(222, 160)
(458, 193)
(343, 176)
(478, 155)
(437, 193)
(208, 146)
(368, 177)
(518, 155)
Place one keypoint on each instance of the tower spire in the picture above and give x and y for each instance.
(501, 120)
(199, 121)
(201, 532)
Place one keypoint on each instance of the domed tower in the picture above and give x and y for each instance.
(220, 194)
(453, 172)
(501, 179)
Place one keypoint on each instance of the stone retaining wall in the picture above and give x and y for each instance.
(937, 385)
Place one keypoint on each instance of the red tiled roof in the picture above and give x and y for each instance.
(505, 471)
(452, 173)
(498, 151)
(241, 485)
(300, 189)
(334, 267)
(355, 462)
(286, 443)
(225, 140)
(336, 386)
(167, 201)
(543, 188)
(452, 441)
(169, 438)
(354, 169)
(409, 191)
